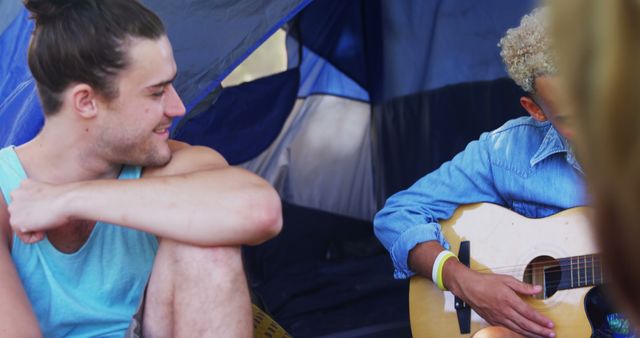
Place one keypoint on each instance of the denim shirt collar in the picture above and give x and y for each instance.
(554, 143)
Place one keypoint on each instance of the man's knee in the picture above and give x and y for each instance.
(191, 258)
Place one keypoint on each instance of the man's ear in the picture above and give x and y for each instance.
(532, 108)
(83, 99)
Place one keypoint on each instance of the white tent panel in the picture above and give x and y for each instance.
(322, 157)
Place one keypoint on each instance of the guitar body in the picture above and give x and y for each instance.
(505, 242)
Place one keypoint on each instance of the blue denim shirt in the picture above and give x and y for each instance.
(525, 165)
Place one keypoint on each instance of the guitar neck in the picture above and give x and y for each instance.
(579, 271)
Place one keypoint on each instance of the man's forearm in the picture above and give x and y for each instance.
(227, 206)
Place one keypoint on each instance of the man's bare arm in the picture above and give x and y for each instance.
(16, 316)
(197, 198)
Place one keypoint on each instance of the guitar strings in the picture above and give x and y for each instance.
(578, 263)
(515, 269)
(583, 277)
(583, 280)
(591, 268)
(517, 272)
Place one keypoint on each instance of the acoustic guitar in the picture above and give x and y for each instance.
(555, 252)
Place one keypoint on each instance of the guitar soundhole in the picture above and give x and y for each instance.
(544, 271)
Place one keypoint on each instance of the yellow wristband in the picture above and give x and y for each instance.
(438, 265)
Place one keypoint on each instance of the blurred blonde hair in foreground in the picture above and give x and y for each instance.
(598, 46)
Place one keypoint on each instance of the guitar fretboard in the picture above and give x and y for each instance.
(580, 271)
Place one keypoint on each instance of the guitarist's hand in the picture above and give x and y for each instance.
(496, 299)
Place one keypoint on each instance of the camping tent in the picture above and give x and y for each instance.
(373, 94)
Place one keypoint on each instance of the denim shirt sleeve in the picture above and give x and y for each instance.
(410, 217)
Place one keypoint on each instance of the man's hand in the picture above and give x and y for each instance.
(36, 207)
(496, 299)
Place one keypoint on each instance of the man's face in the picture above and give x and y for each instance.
(546, 98)
(134, 127)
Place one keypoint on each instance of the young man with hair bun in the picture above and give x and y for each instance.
(107, 227)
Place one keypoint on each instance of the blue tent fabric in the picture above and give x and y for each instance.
(320, 77)
(336, 35)
(431, 68)
(21, 122)
(211, 37)
(432, 126)
(438, 43)
(398, 48)
(20, 111)
(245, 119)
(8, 11)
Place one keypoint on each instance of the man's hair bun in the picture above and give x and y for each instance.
(43, 10)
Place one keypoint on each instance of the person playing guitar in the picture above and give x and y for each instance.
(526, 165)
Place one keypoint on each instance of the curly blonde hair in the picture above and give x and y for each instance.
(526, 50)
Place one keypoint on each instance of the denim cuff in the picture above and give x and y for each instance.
(408, 240)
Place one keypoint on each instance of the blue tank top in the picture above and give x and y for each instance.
(92, 292)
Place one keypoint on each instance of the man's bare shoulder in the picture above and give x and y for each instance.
(186, 158)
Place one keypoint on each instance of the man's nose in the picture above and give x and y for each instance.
(173, 104)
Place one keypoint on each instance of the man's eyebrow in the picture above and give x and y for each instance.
(164, 83)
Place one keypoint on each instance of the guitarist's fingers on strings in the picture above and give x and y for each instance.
(495, 298)
(521, 287)
(525, 316)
